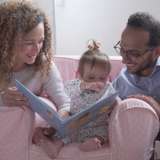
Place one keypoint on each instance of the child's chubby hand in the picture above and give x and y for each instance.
(94, 86)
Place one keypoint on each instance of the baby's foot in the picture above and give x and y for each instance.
(90, 145)
(51, 147)
(38, 135)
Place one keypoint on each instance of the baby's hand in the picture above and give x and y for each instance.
(94, 86)
(91, 144)
(97, 86)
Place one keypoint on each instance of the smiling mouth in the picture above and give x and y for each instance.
(130, 65)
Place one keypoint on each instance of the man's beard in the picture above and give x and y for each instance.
(148, 66)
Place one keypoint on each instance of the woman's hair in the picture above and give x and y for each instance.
(21, 17)
(94, 57)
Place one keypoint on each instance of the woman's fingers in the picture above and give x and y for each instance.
(12, 97)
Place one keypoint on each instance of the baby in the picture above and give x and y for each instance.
(91, 84)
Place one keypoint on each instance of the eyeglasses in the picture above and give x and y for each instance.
(132, 53)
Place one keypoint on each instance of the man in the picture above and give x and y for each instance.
(140, 48)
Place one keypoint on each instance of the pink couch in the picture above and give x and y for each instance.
(132, 127)
(68, 66)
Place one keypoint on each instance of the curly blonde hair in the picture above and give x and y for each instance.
(21, 17)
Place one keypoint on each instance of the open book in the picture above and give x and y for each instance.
(68, 125)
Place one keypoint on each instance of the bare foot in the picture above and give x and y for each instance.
(51, 147)
(90, 145)
(38, 135)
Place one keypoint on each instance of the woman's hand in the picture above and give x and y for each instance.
(12, 97)
(150, 100)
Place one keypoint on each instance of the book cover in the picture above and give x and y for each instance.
(68, 125)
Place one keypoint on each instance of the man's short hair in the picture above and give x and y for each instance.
(145, 21)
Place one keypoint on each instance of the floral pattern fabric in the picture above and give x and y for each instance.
(82, 99)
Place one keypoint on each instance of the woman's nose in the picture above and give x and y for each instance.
(36, 47)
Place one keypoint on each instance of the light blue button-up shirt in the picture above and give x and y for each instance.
(129, 84)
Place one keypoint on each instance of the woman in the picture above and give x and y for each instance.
(25, 54)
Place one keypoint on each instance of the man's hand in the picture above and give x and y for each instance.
(150, 100)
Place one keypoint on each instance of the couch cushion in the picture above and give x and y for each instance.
(68, 67)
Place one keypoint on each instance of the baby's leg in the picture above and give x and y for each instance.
(51, 147)
(91, 144)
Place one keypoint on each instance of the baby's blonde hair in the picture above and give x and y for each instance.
(94, 56)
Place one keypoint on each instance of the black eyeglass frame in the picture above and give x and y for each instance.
(133, 53)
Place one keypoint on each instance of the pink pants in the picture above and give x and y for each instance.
(132, 129)
(16, 132)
